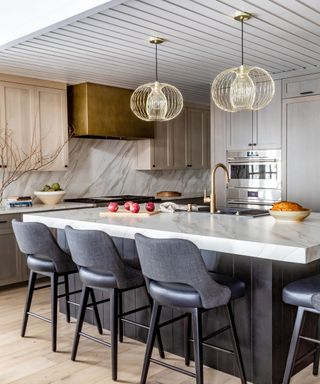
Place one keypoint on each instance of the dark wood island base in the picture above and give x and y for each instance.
(264, 323)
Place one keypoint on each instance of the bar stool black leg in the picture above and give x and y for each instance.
(31, 284)
(81, 314)
(187, 332)
(120, 322)
(114, 331)
(197, 344)
(155, 316)
(158, 336)
(235, 343)
(54, 310)
(96, 312)
(294, 345)
(316, 359)
(66, 287)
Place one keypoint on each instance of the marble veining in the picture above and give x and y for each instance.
(107, 167)
(256, 237)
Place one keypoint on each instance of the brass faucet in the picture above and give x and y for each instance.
(212, 199)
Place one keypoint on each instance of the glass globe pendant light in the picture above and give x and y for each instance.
(156, 101)
(245, 87)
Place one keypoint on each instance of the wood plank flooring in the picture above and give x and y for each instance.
(29, 360)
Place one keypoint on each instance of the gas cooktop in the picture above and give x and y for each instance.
(120, 199)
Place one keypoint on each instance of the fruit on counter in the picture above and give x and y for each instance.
(113, 207)
(150, 206)
(53, 188)
(134, 208)
(127, 205)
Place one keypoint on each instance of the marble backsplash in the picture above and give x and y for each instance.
(107, 167)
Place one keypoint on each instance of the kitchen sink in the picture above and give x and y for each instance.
(235, 211)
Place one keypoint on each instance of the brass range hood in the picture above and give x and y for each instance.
(100, 111)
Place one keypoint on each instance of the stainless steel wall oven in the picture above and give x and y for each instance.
(255, 177)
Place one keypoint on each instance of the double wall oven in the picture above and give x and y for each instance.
(255, 177)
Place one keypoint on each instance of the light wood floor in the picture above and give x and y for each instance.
(29, 360)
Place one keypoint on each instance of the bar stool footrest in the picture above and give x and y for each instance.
(173, 367)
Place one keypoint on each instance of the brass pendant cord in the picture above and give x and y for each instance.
(156, 62)
(242, 42)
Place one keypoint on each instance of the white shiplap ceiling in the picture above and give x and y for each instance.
(110, 47)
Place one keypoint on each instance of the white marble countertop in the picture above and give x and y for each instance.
(256, 237)
(43, 208)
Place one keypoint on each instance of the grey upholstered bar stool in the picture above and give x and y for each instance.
(102, 268)
(304, 294)
(45, 257)
(177, 277)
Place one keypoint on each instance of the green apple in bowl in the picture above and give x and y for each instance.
(50, 194)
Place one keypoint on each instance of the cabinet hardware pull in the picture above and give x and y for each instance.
(5, 166)
(250, 144)
(306, 93)
(3, 221)
(66, 166)
(254, 144)
(153, 165)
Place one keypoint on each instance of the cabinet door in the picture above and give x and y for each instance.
(240, 130)
(301, 86)
(178, 137)
(21, 129)
(13, 263)
(161, 150)
(302, 123)
(198, 138)
(52, 120)
(267, 127)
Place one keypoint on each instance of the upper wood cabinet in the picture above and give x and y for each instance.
(34, 117)
(18, 119)
(258, 129)
(181, 143)
(301, 86)
(51, 114)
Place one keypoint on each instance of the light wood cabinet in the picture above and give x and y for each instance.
(183, 142)
(301, 86)
(256, 129)
(18, 121)
(14, 266)
(34, 117)
(51, 114)
(301, 122)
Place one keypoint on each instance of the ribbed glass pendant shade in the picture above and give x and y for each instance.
(156, 102)
(242, 88)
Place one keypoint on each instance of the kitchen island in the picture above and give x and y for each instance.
(265, 254)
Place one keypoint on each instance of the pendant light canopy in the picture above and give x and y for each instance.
(242, 88)
(156, 101)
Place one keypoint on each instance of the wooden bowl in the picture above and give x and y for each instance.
(50, 198)
(168, 194)
(290, 216)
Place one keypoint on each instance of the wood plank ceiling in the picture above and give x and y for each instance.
(110, 47)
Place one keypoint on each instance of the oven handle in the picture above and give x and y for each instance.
(257, 202)
(245, 160)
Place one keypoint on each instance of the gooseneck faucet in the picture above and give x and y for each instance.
(212, 199)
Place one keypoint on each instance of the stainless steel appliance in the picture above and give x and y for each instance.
(255, 177)
(120, 199)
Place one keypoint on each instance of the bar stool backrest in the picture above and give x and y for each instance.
(36, 239)
(180, 261)
(96, 250)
